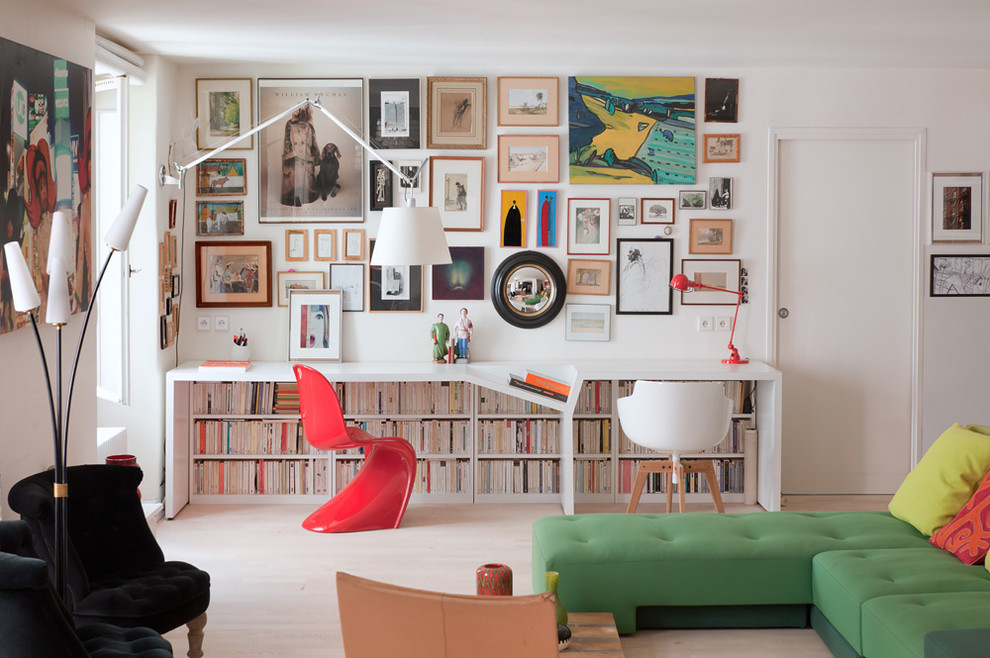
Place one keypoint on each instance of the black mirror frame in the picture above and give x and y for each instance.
(528, 259)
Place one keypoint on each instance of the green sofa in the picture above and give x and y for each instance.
(869, 583)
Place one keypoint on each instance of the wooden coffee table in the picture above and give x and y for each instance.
(593, 632)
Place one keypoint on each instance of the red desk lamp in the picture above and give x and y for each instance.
(684, 284)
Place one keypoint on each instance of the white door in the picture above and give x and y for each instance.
(846, 284)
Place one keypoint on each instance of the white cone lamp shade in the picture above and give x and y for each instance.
(411, 236)
(119, 234)
(21, 286)
(58, 311)
(60, 245)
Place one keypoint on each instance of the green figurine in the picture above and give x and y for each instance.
(440, 333)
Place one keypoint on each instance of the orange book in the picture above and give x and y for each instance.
(547, 383)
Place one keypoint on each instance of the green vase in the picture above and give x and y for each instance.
(552, 577)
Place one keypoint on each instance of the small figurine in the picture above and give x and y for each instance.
(463, 330)
(440, 333)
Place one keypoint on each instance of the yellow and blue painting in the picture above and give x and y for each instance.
(631, 130)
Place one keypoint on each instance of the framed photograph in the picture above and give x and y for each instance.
(644, 270)
(957, 207)
(457, 113)
(379, 186)
(325, 244)
(720, 193)
(395, 289)
(233, 274)
(720, 148)
(294, 183)
(288, 282)
(463, 278)
(710, 236)
(528, 101)
(457, 190)
(410, 168)
(393, 113)
(588, 226)
(960, 275)
(692, 199)
(353, 244)
(627, 211)
(348, 278)
(513, 228)
(656, 211)
(546, 215)
(721, 100)
(528, 159)
(315, 325)
(587, 321)
(589, 277)
(221, 176)
(223, 110)
(296, 244)
(726, 274)
(219, 218)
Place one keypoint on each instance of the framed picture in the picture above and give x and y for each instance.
(721, 100)
(960, 275)
(296, 244)
(288, 282)
(513, 228)
(692, 199)
(395, 289)
(720, 191)
(656, 211)
(587, 321)
(710, 236)
(528, 101)
(219, 218)
(223, 111)
(379, 186)
(353, 244)
(528, 159)
(463, 278)
(588, 226)
(644, 270)
(588, 277)
(348, 278)
(627, 211)
(221, 176)
(724, 274)
(546, 215)
(720, 148)
(315, 325)
(325, 244)
(393, 113)
(233, 274)
(411, 168)
(957, 207)
(293, 185)
(457, 190)
(457, 112)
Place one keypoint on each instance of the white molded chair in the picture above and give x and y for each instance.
(676, 418)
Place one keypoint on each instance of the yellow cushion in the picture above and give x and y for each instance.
(945, 478)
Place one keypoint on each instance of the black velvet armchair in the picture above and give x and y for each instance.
(35, 624)
(117, 573)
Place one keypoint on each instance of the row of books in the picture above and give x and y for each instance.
(733, 443)
(495, 402)
(502, 476)
(260, 477)
(593, 436)
(251, 437)
(432, 475)
(286, 398)
(740, 392)
(436, 436)
(522, 436)
(593, 476)
(233, 397)
(405, 398)
(595, 397)
(730, 474)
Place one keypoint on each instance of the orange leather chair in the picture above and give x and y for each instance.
(378, 619)
(376, 498)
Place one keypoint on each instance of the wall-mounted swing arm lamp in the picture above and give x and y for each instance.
(686, 285)
(406, 235)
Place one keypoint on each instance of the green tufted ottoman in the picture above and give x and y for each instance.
(894, 626)
(621, 562)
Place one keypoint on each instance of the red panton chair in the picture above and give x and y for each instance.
(377, 496)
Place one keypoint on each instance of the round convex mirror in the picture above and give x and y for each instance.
(528, 289)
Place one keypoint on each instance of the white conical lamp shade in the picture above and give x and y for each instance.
(25, 294)
(60, 245)
(57, 311)
(119, 234)
(411, 236)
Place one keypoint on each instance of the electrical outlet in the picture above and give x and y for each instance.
(706, 323)
(203, 323)
(221, 323)
(723, 323)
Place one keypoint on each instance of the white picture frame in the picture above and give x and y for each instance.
(315, 325)
(348, 278)
(292, 280)
(957, 207)
(587, 322)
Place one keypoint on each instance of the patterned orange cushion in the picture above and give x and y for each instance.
(968, 535)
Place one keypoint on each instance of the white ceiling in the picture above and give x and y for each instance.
(551, 35)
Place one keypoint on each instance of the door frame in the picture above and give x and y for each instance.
(917, 137)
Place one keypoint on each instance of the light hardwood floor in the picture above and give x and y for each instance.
(273, 588)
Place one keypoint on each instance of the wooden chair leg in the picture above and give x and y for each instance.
(681, 472)
(713, 486)
(637, 491)
(195, 636)
(669, 481)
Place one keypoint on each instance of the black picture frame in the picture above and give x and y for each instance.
(375, 302)
(959, 275)
(644, 268)
(409, 86)
(379, 186)
(721, 100)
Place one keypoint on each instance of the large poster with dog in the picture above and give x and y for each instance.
(310, 169)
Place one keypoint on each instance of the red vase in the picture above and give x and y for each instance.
(494, 580)
(124, 460)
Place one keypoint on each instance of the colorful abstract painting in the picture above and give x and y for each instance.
(631, 130)
(546, 213)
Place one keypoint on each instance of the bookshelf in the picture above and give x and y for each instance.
(477, 439)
